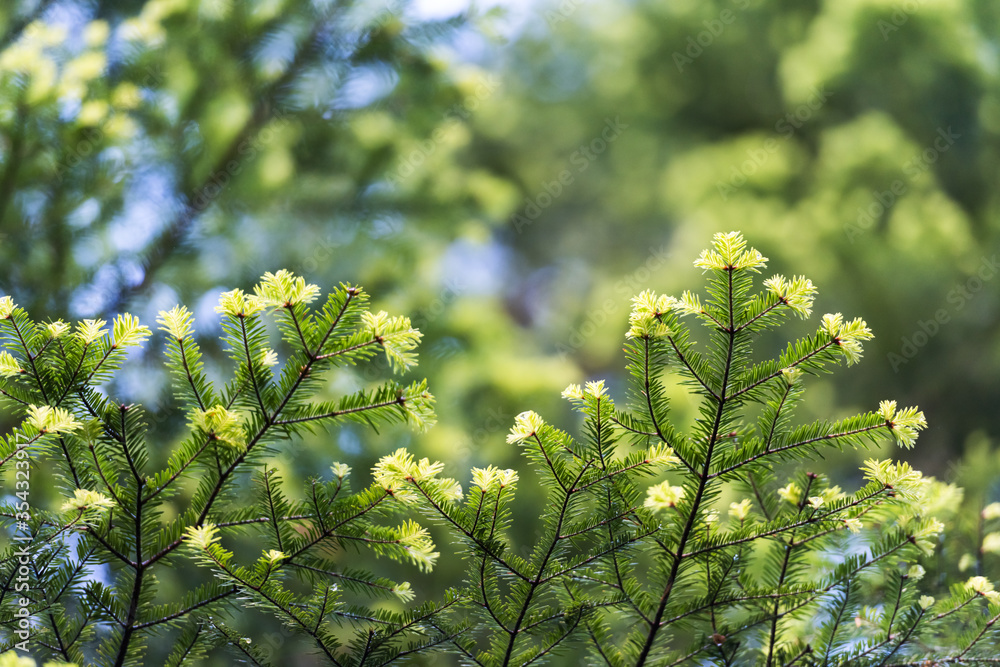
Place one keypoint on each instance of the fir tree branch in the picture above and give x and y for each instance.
(351, 348)
(189, 375)
(180, 471)
(777, 416)
(339, 575)
(114, 552)
(712, 317)
(104, 479)
(601, 651)
(777, 373)
(729, 602)
(250, 370)
(97, 367)
(788, 546)
(545, 651)
(760, 499)
(649, 402)
(598, 554)
(191, 644)
(137, 584)
(273, 518)
(813, 596)
(534, 583)
(108, 611)
(838, 620)
(333, 414)
(812, 519)
(829, 436)
(79, 568)
(461, 649)
(264, 519)
(486, 598)
(128, 457)
(622, 575)
(422, 648)
(187, 610)
(269, 420)
(702, 483)
(60, 648)
(109, 429)
(7, 394)
(807, 650)
(330, 532)
(687, 365)
(419, 619)
(71, 383)
(247, 655)
(905, 638)
(648, 434)
(41, 388)
(948, 613)
(761, 314)
(895, 610)
(288, 611)
(611, 475)
(469, 535)
(603, 523)
(290, 309)
(552, 469)
(982, 633)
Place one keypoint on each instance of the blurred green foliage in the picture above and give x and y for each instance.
(510, 179)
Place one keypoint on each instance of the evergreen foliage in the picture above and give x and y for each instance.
(660, 543)
(114, 520)
(667, 573)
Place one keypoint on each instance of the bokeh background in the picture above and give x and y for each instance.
(509, 174)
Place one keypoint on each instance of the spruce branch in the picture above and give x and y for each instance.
(658, 542)
(104, 443)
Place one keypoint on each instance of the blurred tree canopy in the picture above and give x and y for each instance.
(863, 132)
(511, 177)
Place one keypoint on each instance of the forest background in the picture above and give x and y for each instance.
(509, 176)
